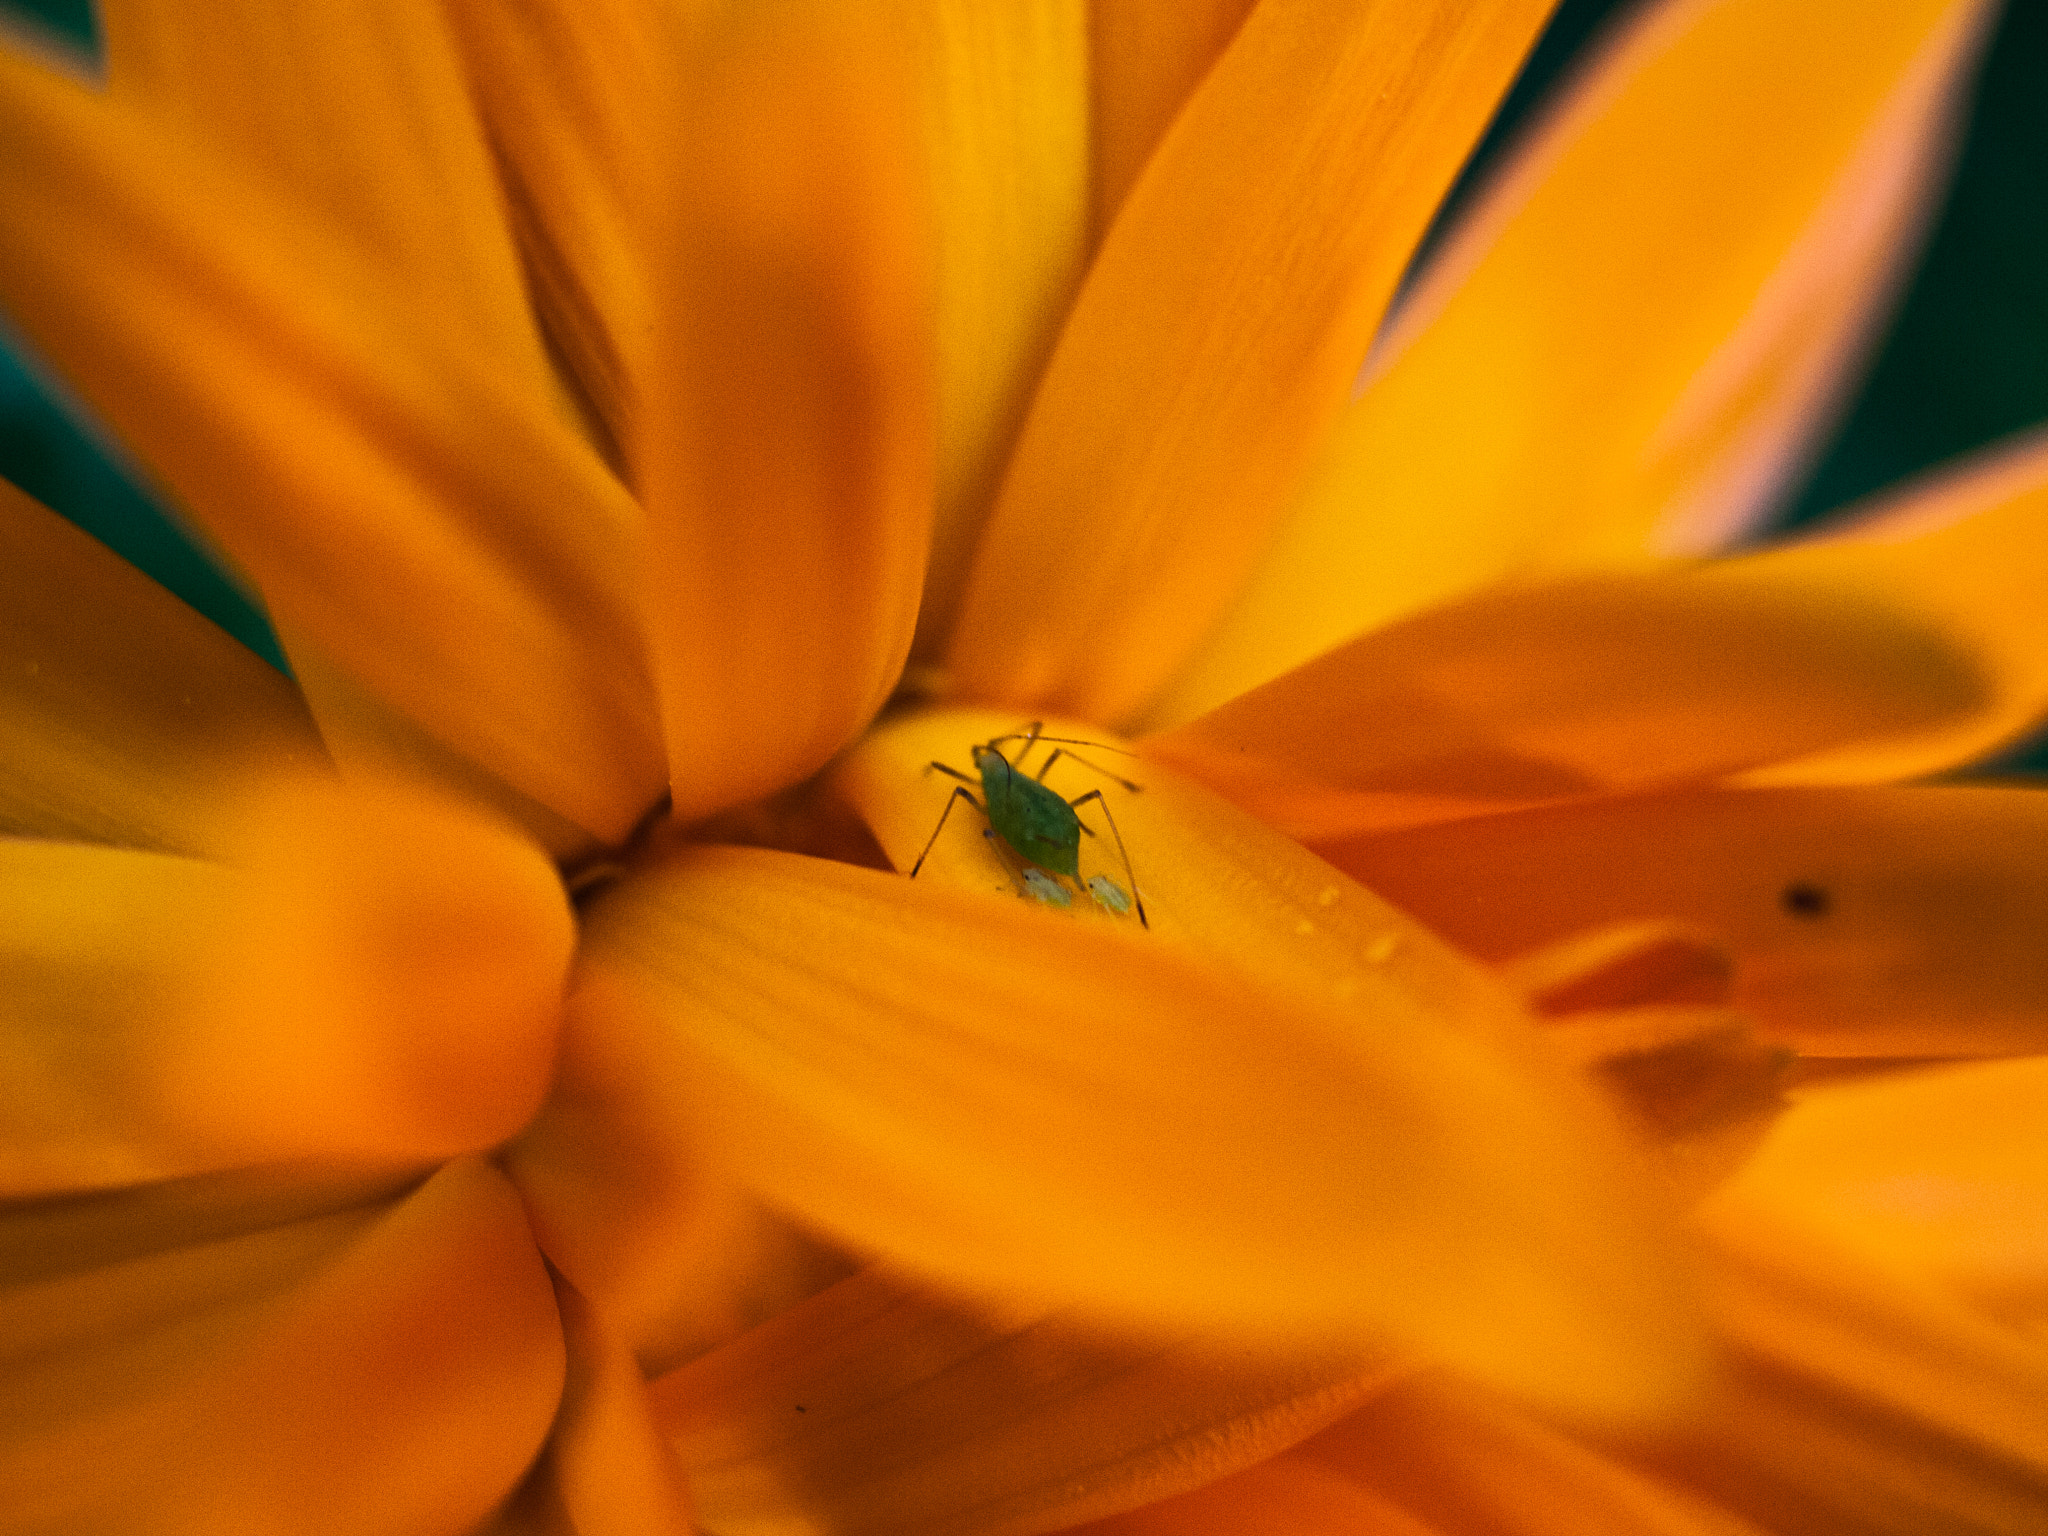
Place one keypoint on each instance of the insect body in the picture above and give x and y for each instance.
(1035, 824)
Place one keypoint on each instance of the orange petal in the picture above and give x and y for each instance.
(1649, 963)
(789, 430)
(1287, 1496)
(1597, 683)
(1006, 137)
(1966, 553)
(568, 93)
(883, 1059)
(1147, 59)
(607, 1471)
(98, 943)
(1454, 1460)
(420, 518)
(1634, 340)
(1855, 1401)
(631, 1204)
(1938, 1175)
(417, 953)
(350, 1368)
(381, 978)
(361, 113)
(1863, 922)
(877, 1407)
(120, 706)
(1216, 340)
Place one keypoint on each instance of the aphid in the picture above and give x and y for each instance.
(1108, 894)
(1045, 888)
(1035, 824)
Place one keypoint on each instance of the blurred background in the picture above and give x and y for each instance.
(1965, 360)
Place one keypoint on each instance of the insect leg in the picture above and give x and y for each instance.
(1096, 796)
(1020, 877)
(949, 772)
(1060, 752)
(958, 795)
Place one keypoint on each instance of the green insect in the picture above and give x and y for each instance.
(1035, 824)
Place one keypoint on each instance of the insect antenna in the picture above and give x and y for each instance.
(1060, 752)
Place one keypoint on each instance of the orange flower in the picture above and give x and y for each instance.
(502, 1078)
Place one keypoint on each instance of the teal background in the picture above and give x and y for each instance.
(1964, 362)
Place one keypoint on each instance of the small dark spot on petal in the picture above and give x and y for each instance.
(1803, 899)
(800, 1408)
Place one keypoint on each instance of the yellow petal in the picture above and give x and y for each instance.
(1966, 552)
(1006, 136)
(879, 1407)
(351, 1368)
(788, 447)
(1633, 340)
(568, 94)
(1216, 340)
(1591, 684)
(1017, 1102)
(1863, 922)
(1938, 1175)
(1147, 59)
(420, 517)
(361, 113)
(120, 706)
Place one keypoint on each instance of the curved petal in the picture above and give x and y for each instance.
(1854, 1400)
(1146, 58)
(1938, 1175)
(567, 94)
(358, 1369)
(998, 1096)
(1635, 338)
(1966, 553)
(360, 111)
(607, 1470)
(633, 1207)
(418, 950)
(1586, 685)
(420, 518)
(1898, 922)
(1454, 1460)
(383, 978)
(1006, 135)
(1216, 338)
(877, 1407)
(1287, 1496)
(1857, 1399)
(788, 435)
(96, 942)
(120, 706)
